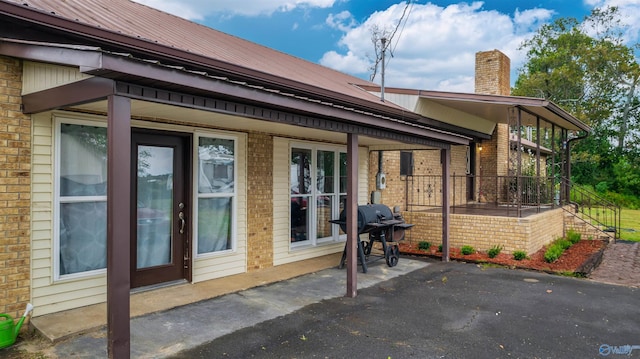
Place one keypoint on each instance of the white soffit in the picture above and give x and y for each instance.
(436, 111)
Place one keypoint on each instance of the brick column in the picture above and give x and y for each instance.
(259, 201)
(15, 191)
(493, 78)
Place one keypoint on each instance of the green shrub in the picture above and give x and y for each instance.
(494, 251)
(519, 255)
(573, 236)
(440, 248)
(553, 252)
(423, 245)
(467, 250)
(563, 243)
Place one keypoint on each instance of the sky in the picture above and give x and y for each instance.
(433, 49)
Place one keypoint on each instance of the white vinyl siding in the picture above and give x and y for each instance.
(50, 295)
(38, 76)
(283, 252)
(225, 263)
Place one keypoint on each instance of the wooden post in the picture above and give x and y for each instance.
(352, 215)
(118, 226)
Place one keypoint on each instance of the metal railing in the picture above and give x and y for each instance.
(593, 209)
(514, 195)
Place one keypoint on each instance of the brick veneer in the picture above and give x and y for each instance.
(259, 201)
(493, 73)
(15, 190)
(483, 232)
(426, 163)
(493, 78)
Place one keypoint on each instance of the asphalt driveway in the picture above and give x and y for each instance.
(452, 310)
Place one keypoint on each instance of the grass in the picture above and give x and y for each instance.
(630, 219)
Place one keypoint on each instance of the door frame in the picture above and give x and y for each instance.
(181, 252)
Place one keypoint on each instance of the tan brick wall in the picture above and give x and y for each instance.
(259, 201)
(493, 73)
(493, 78)
(483, 232)
(426, 163)
(15, 189)
(493, 161)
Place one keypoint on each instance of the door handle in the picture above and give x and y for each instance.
(182, 221)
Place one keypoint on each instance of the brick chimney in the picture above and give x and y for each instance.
(493, 73)
(493, 78)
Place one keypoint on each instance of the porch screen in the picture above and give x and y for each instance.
(216, 194)
(82, 193)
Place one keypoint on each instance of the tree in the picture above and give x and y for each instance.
(587, 69)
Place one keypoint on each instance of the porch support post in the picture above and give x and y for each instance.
(118, 225)
(538, 173)
(445, 160)
(519, 166)
(553, 166)
(352, 215)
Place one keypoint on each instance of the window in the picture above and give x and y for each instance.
(81, 192)
(318, 192)
(216, 194)
(406, 163)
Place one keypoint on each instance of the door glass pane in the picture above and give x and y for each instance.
(155, 203)
(214, 224)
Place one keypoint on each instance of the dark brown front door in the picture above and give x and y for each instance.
(160, 187)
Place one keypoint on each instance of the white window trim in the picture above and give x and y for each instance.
(336, 237)
(58, 121)
(196, 195)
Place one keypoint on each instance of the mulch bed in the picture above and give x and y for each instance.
(580, 259)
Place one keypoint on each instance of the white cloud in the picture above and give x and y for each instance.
(630, 11)
(342, 21)
(198, 9)
(436, 48)
(532, 18)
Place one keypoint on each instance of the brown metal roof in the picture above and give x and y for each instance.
(151, 27)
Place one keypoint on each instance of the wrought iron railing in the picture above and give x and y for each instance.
(592, 208)
(513, 194)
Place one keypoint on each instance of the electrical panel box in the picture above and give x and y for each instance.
(381, 181)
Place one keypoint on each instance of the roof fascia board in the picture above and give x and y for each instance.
(243, 93)
(83, 57)
(89, 90)
(92, 62)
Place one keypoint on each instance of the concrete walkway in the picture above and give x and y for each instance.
(620, 264)
(165, 333)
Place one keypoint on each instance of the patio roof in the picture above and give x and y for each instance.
(480, 112)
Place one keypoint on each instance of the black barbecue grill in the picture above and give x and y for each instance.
(383, 226)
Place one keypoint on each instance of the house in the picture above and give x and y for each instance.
(141, 149)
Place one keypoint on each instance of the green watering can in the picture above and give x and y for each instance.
(8, 330)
